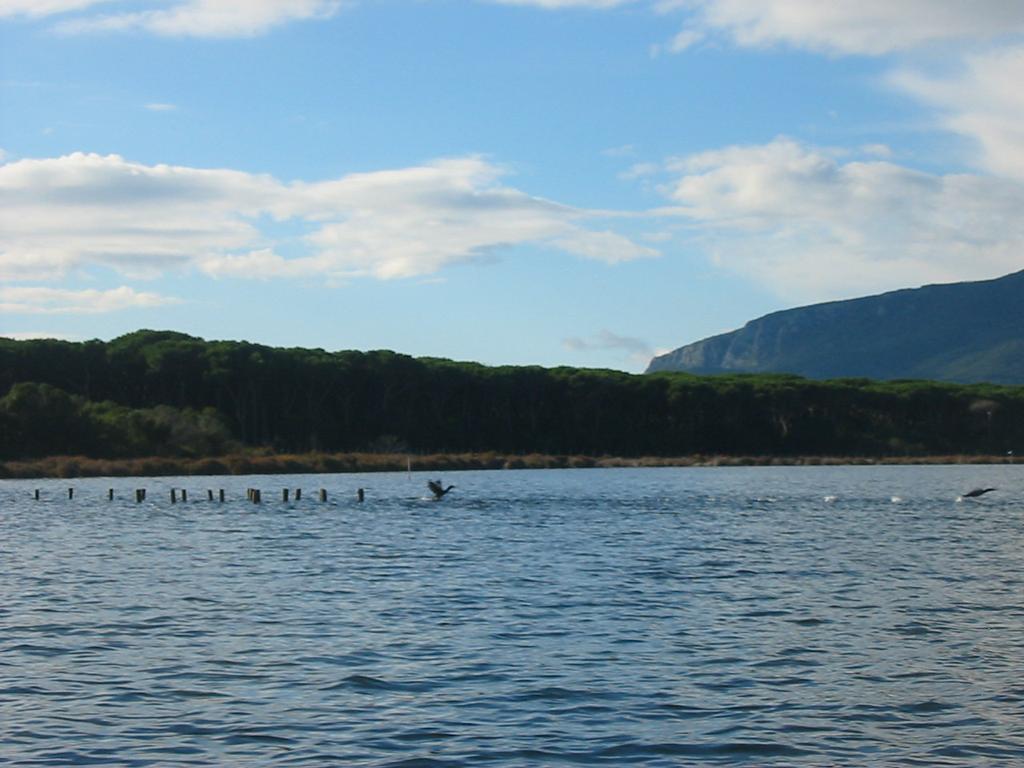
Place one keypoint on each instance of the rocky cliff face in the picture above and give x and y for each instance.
(967, 332)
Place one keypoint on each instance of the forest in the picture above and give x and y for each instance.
(161, 393)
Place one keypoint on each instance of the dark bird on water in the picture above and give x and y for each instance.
(438, 489)
(977, 492)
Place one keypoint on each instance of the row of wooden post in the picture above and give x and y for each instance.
(255, 495)
(252, 494)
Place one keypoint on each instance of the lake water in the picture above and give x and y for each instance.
(650, 617)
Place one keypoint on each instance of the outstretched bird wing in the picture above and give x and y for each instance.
(977, 492)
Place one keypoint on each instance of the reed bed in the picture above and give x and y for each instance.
(266, 463)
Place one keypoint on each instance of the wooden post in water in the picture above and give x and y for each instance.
(184, 495)
(209, 494)
(222, 494)
(110, 494)
(71, 493)
(174, 496)
(323, 494)
(140, 495)
(284, 495)
(298, 494)
(37, 494)
(360, 495)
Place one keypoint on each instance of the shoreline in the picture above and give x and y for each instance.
(66, 467)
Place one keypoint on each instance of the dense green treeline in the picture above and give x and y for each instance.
(41, 420)
(164, 393)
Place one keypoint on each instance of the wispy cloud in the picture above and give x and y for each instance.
(157, 106)
(814, 223)
(982, 101)
(38, 300)
(609, 247)
(975, 91)
(205, 18)
(869, 27)
(557, 5)
(38, 8)
(82, 211)
(638, 350)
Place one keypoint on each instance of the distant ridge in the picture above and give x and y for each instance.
(961, 332)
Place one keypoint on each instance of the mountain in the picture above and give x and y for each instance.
(962, 332)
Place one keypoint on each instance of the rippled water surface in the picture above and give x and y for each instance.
(654, 617)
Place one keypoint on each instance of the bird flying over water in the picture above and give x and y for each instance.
(977, 492)
(438, 490)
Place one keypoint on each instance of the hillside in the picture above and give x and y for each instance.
(961, 332)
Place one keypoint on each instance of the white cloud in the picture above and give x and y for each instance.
(555, 5)
(866, 27)
(637, 350)
(977, 91)
(38, 300)
(62, 214)
(982, 101)
(684, 39)
(812, 226)
(208, 18)
(869, 27)
(161, 107)
(640, 171)
(609, 247)
(35, 8)
(82, 211)
(877, 150)
(262, 264)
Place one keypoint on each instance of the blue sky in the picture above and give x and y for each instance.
(553, 182)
